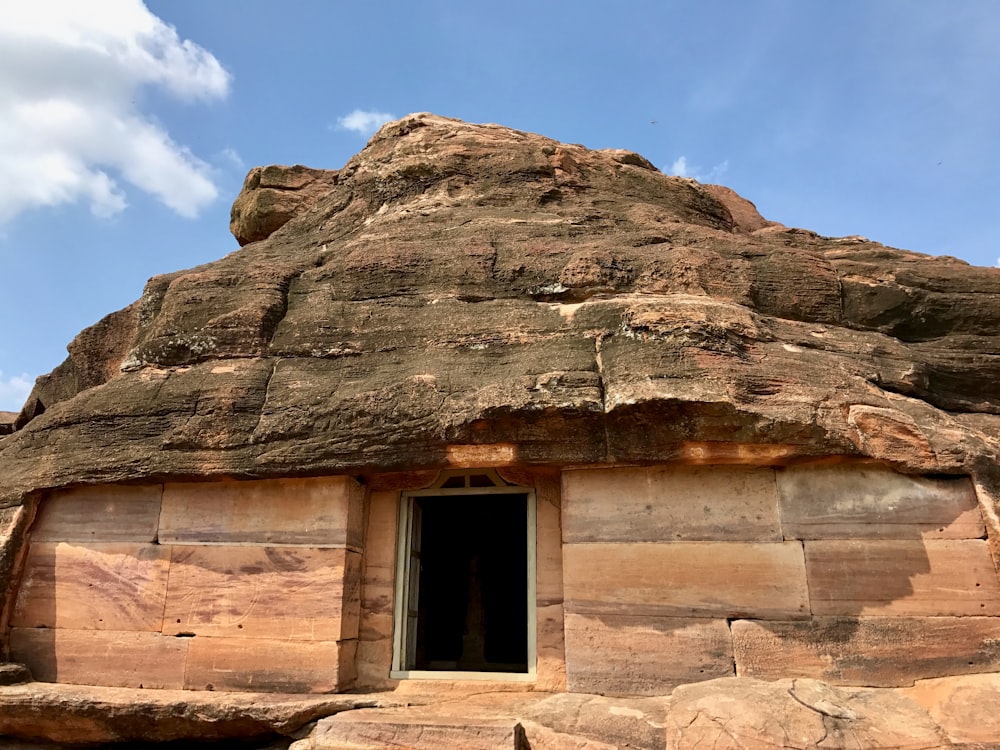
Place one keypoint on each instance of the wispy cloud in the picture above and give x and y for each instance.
(14, 391)
(70, 126)
(681, 168)
(364, 122)
(230, 157)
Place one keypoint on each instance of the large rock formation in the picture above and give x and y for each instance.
(472, 296)
(461, 285)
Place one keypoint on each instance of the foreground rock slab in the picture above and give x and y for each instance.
(732, 713)
(81, 715)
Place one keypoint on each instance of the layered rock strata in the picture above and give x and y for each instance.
(749, 450)
(456, 286)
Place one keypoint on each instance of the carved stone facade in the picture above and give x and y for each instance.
(642, 579)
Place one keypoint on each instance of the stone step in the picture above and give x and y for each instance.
(427, 728)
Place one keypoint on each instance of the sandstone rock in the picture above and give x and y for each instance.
(472, 296)
(481, 285)
(957, 703)
(515, 721)
(736, 713)
(272, 196)
(475, 285)
(81, 715)
(14, 674)
(7, 419)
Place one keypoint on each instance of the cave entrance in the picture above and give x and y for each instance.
(465, 580)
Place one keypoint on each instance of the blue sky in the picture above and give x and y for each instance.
(126, 129)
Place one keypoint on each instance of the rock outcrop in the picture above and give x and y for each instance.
(462, 285)
(472, 296)
(732, 713)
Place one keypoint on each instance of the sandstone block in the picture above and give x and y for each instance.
(890, 578)
(874, 651)
(380, 553)
(123, 513)
(676, 503)
(378, 589)
(373, 662)
(687, 579)
(107, 586)
(548, 543)
(322, 511)
(294, 593)
(266, 665)
(641, 655)
(101, 657)
(851, 501)
(550, 648)
(366, 730)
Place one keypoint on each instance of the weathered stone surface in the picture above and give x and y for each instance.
(94, 358)
(93, 586)
(107, 657)
(378, 591)
(14, 525)
(270, 665)
(591, 722)
(502, 720)
(872, 651)
(427, 730)
(321, 512)
(637, 655)
(938, 577)
(857, 502)
(739, 713)
(461, 292)
(957, 705)
(687, 579)
(14, 674)
(290, 593)
(272, 196)
(665, 504)
(75, 714)
(128, 513)
(463, 295)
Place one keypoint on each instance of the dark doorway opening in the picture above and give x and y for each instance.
(472, 603)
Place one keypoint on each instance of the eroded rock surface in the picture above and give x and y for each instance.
(470, 295)
(733, 713)
(460, 284)
(78, 715)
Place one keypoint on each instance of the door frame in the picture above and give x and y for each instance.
(403, 592)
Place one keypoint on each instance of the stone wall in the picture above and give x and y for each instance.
(848, 573)
(224, 585)
(646, 578)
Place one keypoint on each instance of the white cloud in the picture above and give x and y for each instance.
(14, 391)
(364, 122)
(681, 168)
(70, 127)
